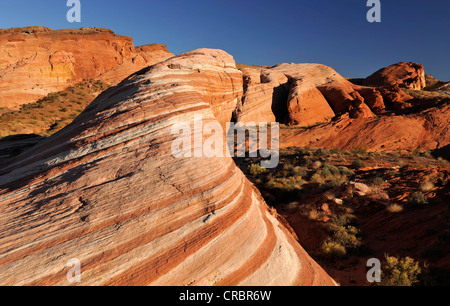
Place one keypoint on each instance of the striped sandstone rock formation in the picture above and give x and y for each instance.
(108, 191)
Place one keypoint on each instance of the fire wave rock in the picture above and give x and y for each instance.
(106, 190)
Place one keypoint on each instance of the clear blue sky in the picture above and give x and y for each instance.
(267, 32)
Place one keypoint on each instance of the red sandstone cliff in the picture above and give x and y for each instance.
(35, 61)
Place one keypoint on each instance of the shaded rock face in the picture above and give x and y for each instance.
(108, 191)
(265, 96)
(14, 145)
(307, 105)
(36, 61)
(405, 75)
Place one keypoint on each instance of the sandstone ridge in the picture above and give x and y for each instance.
(108, 191)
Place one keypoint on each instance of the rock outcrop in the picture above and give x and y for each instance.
(425, 131)
(265, 96)
(445, 89)
(405, 75)
(108, 191)
(36, 61)
(317, 93)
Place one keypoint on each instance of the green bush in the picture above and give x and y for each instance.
(418, 199)
(340, 221)
(378, 181)
(330, 170)
(256, 169)
(347, 237)
(400, 272)
(333, 250)
(286, 184)
(334, 182)
(358, 164)
(346, 171)
(359, 150)
(300, 171)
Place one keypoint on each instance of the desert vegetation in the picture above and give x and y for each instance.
(330, 196)
(51, 113)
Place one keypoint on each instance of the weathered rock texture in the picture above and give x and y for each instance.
(108, 191)
(309, 94)
(265, 96)
(36, 61)
(405, 75)
(424, 131)
(341, 95)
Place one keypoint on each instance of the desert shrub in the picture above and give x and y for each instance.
(300, 171)
(317, 178)
(395, 208)
(442, 163)
(358, 164)
(347, 237)
(400, 272)
(320, 152)
(378, 181)
(329, 170)
(418, 199)
(256, 169)
(427, 186)
(333, 250)
(346, 171)
(359, 150)
(334, 182)
(314, 214)
(285, 184)
(428, 155)
(317, 165)
(341, 220)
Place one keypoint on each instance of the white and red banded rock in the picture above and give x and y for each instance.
(107, 191)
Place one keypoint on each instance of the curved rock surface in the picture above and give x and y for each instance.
(317, 93)
(36, 61)
(265, 96)
(425, 131)
(107, 191)
(405, 75)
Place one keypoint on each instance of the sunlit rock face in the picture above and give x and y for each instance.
(405, 75)
(108, 191)
(36, 61)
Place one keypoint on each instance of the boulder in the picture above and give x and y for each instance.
(405, 75)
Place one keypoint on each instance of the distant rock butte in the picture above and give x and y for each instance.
(405, 75)
(36, 61)
(107, 190)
